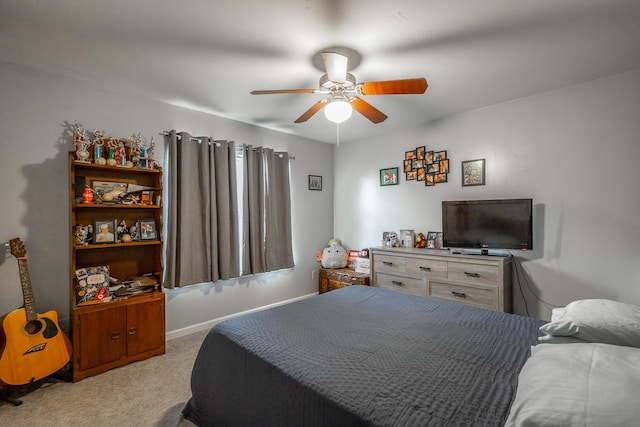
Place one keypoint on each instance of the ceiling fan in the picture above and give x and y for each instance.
(343, 93)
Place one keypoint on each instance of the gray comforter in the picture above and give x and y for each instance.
(361, 356)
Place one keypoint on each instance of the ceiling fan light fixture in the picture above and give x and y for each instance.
(338, 111)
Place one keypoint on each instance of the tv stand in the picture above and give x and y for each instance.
(478, 280)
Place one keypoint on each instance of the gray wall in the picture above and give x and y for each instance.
(34, 193)
(575, 151)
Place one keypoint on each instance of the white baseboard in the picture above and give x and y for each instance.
(211, 323)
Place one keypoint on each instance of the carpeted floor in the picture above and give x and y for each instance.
(147, 393)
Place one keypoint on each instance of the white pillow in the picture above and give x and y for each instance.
(596, 320)
(588, 384)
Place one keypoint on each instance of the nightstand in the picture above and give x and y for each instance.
(333, 278)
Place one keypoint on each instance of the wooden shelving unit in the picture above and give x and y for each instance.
(110, 334)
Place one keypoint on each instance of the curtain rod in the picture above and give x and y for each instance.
(165, 133)
(279, 153)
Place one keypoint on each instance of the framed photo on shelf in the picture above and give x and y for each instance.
(148, 229)
(104, 187)
(315, 182)
(388, 176)
(104, 231)
(473, 172)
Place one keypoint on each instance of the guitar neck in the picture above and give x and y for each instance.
(27, 292)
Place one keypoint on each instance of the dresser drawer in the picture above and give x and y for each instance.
(390, 264)
(479, 296)
(474, 273)
(432, 269)
(403, 284)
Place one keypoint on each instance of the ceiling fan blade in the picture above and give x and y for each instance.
(270, 92)
(394, 87)
(311, 111)
(336, 66)
(368, 110)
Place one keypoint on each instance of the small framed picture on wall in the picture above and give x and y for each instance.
(388, 176)
(473, 172)
(315, 182)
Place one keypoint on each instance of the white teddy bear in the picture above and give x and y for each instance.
(334, 256)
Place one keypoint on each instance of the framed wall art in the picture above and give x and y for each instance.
(388, 176)
(315, 182)
(431, 167)
(473, 172)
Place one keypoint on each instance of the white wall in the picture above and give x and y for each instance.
(575, 151)
(34, 193)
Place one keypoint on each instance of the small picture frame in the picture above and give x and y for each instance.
(147, 229)
(431, 239)
(473, 172)
(315, 182)
(388, 176)
(439, 240)
(104, 231)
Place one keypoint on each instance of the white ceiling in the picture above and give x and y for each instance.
(209, 54)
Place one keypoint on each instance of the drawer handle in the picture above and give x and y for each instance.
(476, 275)
(132, 331)
(425, 268)
(395, 282)
(115, 335)
(459, 294)
(387, 263)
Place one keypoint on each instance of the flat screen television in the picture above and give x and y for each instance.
(488, 224)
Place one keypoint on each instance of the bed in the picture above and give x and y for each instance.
(361, 355)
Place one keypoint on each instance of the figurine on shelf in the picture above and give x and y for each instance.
(134, 146)
(121, 155)
(83, 234)
(143, 150)
(98, 144)
(81, 144)
(123, 232)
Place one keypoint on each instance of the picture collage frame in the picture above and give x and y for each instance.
(431, 167)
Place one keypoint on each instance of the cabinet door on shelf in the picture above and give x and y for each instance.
(103, 337)
(145, 326)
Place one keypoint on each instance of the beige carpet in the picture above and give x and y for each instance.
(147, 393)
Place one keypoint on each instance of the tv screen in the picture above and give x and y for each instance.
(488, 224)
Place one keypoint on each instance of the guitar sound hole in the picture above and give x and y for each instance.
(33, 327)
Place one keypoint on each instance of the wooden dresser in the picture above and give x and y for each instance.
(479, 280)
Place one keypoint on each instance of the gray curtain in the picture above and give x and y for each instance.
(202, 242)
(267, 211)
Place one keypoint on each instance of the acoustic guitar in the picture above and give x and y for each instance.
(32, 346)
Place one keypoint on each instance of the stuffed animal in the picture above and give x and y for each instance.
(393, 241)
(334, 256)
(421, 241)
